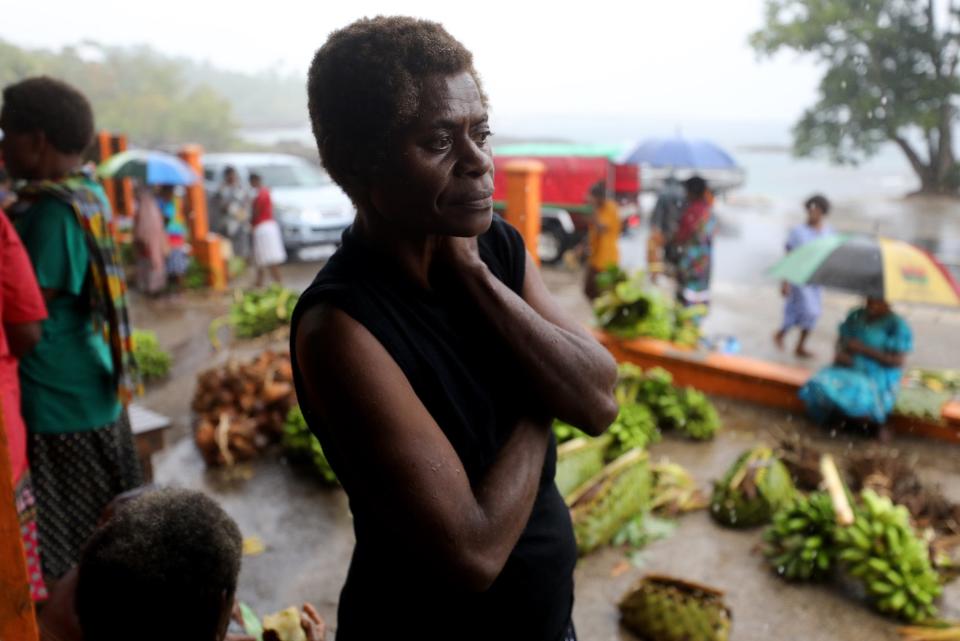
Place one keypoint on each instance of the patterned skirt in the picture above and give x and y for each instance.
(75, 476)
(27, 514)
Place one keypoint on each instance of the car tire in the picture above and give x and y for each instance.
(550, 246)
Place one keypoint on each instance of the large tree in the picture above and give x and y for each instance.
(134, 91)
(891, 76)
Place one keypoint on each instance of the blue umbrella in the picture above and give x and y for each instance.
(150, 167)
(680, 153)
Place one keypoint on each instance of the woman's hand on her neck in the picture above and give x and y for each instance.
(416, 253)
(462, 254)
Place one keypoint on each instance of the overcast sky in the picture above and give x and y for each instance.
(664, 59)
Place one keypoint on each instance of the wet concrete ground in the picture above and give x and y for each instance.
(308, 533)
(748, 305)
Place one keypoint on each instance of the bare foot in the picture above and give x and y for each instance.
(802, 352)
(778, 340)
(884, 434)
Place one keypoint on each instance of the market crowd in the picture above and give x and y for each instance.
(859, 388)
(429, 360)
(99, 567)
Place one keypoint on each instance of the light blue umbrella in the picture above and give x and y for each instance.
(680, 153)
(149, 167)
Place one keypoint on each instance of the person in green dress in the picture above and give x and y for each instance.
(77, 379)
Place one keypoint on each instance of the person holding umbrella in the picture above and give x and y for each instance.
(150, 243)
(861, 385)
(693, 241)
(160, 174)
(661, 256)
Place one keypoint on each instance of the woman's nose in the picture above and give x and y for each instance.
(475, 160)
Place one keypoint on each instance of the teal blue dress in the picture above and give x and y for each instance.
(867, 389)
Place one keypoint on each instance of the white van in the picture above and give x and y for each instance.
(310, 208)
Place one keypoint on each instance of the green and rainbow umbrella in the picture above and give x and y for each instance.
(872, 266)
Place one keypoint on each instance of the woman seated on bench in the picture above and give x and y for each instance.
(861, 386)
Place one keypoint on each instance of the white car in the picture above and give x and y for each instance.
(309, 207)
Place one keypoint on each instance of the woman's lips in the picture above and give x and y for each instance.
(475, 201)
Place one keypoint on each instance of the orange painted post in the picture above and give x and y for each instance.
(197, 203)
(206, 246)
(17, 620)
(105, 147)
(524, 181)
(126, 184)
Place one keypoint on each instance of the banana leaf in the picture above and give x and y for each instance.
(578, 461)
(602, 505)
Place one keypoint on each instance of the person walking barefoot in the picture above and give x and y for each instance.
(803, 305)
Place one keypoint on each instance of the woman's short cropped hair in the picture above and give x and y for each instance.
(364, 86)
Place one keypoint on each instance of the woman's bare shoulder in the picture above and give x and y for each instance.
(324, 329)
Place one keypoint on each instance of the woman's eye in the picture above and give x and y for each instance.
(482, 136)
(441, 143)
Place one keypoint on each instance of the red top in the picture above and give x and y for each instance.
(20, 302)
(262, 207)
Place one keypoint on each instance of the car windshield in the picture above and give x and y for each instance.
(291, 175)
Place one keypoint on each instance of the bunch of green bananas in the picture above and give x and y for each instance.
(657, 391)
(608, 278)
(883, 551)
(756, 486)
(255, 313)
(937, 380)
(700, 418)
(630, 381)
(687, 410)
(686, 324)
(578, 461)
(634, 427)
(197, 276)
(655, 382)
(800, 540)
(602, 505)
(565, 432)
(152, 360)
(300, 443)
(630, 310)
(668, 609)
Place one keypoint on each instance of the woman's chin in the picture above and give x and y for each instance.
(467, 223)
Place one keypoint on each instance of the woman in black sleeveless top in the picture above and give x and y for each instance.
(430, 360)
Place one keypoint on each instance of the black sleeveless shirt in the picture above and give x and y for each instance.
(468, 380)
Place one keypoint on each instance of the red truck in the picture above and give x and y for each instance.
(570, 172)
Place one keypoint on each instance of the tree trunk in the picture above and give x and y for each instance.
(919, 167)
(945, 159)
(934, 176)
